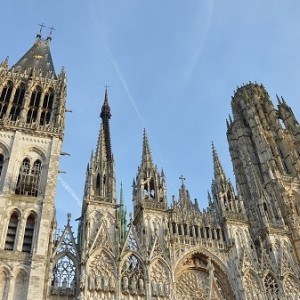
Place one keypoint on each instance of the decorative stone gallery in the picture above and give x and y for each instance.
(244, 245)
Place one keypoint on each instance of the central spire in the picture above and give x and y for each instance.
(102, 163)
(105, 116)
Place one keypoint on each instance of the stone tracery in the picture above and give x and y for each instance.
(159, 280)
(102, 274)
(133, 277)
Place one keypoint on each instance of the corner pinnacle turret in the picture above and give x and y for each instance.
(146, 155)
(219, 173)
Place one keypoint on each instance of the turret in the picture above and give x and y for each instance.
(225, 200)
(149, 188)
(289, 120)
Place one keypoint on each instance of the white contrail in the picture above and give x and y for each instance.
(121, 77)
(115, 66)
(210, 4)
(69, 190)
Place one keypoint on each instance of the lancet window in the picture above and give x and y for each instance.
(149, 189)
(17, 102)
(11, 234)
(28, 180)
(28, 234)
(47, 108)
(4, 282)
(98, 185)
(64, 277)
(20, 287)
(34, 105)
(5, 97)
(1, 164)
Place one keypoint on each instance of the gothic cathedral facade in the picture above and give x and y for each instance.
(244, 245)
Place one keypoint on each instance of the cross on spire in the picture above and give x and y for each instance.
(106, 86)
(51, 30)
(42, 26)
(182, 179)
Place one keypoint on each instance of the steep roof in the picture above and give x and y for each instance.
(38, 57)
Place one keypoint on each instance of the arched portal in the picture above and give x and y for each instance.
(199, 277)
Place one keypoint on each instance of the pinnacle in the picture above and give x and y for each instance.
(105, 110)
(218, 169)
(146, 156)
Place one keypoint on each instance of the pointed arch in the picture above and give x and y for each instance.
(5, 97)
(132, 275)
(20, 286)
(17, 102)
(46, 108)
(4, 155)
(12, 229)
(149, 187)
(251, 284)
(29, 233)
(160, 279)
(34, 104)
(102, 271)
(98, 184)
(201, 273)
(4, 283)
(1, 163)
(64, 275)
(29, 176)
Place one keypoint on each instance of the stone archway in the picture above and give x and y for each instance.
(197, 277)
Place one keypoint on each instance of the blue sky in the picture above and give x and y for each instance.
(171, 67)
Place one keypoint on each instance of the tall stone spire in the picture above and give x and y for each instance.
(149, 189)
(102, 173)
(146, 155)
(105, 116)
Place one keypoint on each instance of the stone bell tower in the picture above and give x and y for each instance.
(32, 109)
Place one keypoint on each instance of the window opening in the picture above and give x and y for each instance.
(47, 108)
(64, 276)
(28, 181)
(1, 163)
(34, 105)
(4, 98)
(28, 234)
(17, 103)
(11, 232)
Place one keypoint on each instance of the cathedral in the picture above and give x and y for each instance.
(244, 245)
